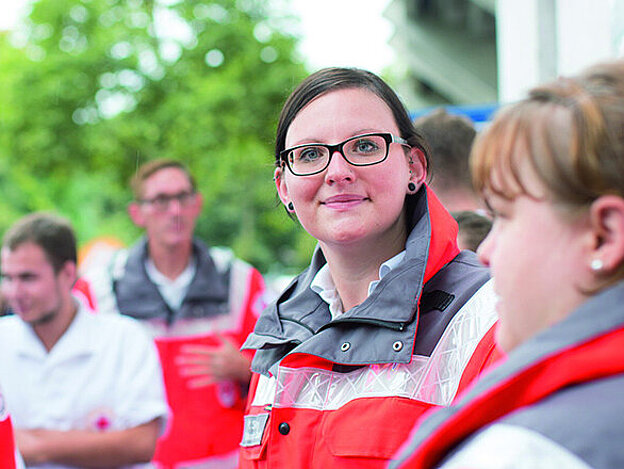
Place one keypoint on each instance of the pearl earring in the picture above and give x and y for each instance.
(596, 265)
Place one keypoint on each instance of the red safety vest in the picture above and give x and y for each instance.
(598, 358)
(206, 423)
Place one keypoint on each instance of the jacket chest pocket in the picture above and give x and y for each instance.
(371, 427)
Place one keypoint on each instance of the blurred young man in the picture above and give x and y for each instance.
(84, 390)
(199, 303)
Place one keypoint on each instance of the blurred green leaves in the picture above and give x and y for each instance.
(92, 88)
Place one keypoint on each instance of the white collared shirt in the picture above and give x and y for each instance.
(102, 374)
(172, 291)
(324, 286)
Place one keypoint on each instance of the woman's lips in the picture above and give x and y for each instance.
(343, 201)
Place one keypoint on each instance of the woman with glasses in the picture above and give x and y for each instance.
(551, 167)
(389, 319)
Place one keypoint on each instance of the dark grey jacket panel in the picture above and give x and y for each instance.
(382, 329)
(138, 297)
(585, 419)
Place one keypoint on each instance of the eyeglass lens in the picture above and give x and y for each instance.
(161, 202)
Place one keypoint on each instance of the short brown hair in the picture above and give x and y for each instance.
(473, 228)
(146, 170)
(50, 232)
(450, 139)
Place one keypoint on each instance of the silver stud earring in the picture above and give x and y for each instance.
(596, 265)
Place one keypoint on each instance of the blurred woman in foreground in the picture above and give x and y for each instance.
(551, 168)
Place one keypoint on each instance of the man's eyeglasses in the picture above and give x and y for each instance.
(361, 150)
(161, 201)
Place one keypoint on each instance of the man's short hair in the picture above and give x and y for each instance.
(52, 233)
(450, 139)
(137, 182)
(473, 228)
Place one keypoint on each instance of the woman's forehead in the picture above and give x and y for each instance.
(341, 112)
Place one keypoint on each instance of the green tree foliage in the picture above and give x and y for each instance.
(92, 88)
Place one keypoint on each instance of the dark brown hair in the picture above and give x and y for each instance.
(332, 79)
(52, 233)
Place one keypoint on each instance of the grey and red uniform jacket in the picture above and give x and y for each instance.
(346, 392)
(557, 401)
(224, 298)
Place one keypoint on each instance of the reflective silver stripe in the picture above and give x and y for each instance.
(432, 379)
(457, 345)
(190, 327)
(220, 461)
(240, 278)
(265, 391)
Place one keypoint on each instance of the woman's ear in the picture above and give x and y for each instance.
(280, 185)
(418, 166)
(606, 215)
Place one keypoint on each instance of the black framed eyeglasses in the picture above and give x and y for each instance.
(361, 150)
(161, 202)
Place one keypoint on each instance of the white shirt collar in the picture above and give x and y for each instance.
(324, 286)
(172, 291)
(73, 341)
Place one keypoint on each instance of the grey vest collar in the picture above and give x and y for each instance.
(137, 296)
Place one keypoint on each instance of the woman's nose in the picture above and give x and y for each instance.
(484, 250)
(339, 169)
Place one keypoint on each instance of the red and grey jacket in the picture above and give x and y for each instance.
(7, 442)
(225, 298)
(556, 401)
(346, 392)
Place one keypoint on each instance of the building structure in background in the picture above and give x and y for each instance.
(448, 48)
(476, 53)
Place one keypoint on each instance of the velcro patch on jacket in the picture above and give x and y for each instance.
(254, 429)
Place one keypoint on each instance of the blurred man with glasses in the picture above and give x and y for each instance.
(199, 303)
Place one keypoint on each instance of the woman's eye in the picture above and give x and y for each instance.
(309, 154)
(365, 146)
